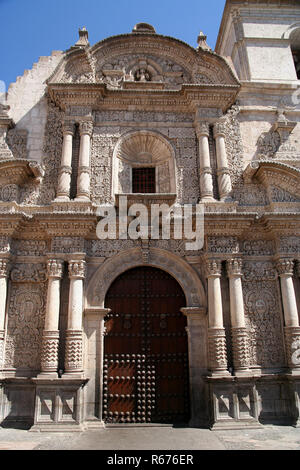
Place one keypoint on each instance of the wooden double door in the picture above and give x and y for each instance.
(145, 350)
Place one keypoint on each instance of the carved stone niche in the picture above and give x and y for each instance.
(144, 149)
(14, 174)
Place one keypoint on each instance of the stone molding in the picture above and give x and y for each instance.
(174, 265)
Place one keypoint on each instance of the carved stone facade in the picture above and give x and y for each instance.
(210, 133)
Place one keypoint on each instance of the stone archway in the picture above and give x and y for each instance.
(196, 328)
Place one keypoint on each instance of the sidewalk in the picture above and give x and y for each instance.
(154, 438)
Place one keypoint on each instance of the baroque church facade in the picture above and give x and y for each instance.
(97, 332)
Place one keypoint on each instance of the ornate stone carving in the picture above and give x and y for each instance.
(86, 127)
(285, 267)
(240, 347)
(234, 267)
(73, 361)
(213, 267)
(258, 270)
(29, 273)
(17, 142)
(263, 323)
(53, 139)
(77, 269)
(55, 268)
(292, 342)
(268, 144)
(49, 352)
(67, 245)
(217, 349)
(29, 247)
(223, 245)
(4, 267)
(26, 314)
(289, 245)
(258, 247)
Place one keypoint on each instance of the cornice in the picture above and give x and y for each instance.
(188, 99)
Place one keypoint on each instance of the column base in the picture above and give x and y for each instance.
(73, 375)
(82, 199)
(47, 375)
(62, 199)
(219, 373)
(208, 199)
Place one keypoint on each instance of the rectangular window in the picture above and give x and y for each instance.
(143, 180)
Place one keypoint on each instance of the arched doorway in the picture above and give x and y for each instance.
(145, 350)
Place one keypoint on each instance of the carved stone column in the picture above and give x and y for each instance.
(83, 181)
(240, 347)
(224, 180)
(73, 357)
(206, 182)
(50, 343)
(4, 270)
(64, 178)
(196, 331)
(285, 268)
(216, 332)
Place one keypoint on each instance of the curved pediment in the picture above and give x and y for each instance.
(142, 57)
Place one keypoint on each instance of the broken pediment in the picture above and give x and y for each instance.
(282, 181)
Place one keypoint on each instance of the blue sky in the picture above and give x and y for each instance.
(34, 28)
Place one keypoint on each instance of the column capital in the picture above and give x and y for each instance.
(4, 267)
(55, 268)
(201, 128)
(234, 267)
(220, 128)
(213, 267)
(298, 267)
(68, 127)
(86, 127)
(77, 269)
(285, 267)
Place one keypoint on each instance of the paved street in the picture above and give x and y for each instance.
(154, 438)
